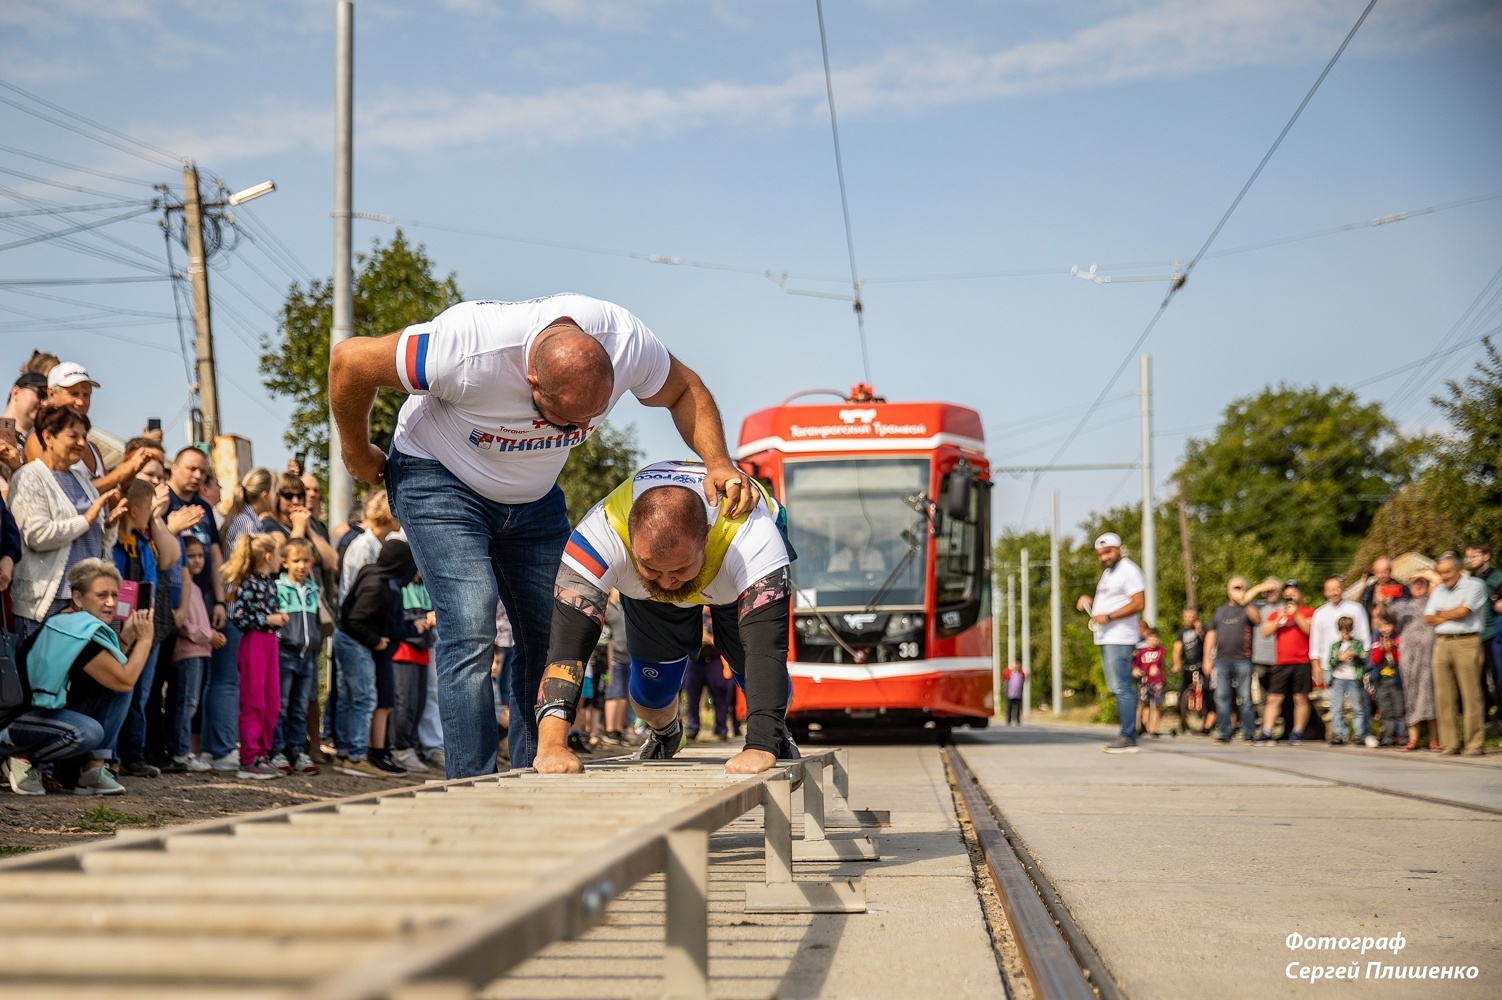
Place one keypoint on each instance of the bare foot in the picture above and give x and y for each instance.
(550, 760)
(749, 762)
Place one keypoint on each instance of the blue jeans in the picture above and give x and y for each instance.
(1116, 659)
(1342, 691)
(182, 702)
(473, 551)
(133, 734)
(44, 735)
(221, 697)
(108, 708)
(1234, 676)
(357, 697)
(299, 674)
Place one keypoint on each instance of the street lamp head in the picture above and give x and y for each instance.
(240, 197)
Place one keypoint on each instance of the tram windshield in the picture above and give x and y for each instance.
(857, 537)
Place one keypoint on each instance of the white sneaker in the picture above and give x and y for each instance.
(23, 777)
(229, 762)
(191, 763)
(98, 781)
(260, 770)
(1371, 741)
(281, 763)
(436, 762)
(410, 760)
(304, 764)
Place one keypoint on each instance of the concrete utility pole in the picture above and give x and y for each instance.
(1149, 527)
(1184, 551)
(341, 484)
(996, 693)
(1011, 619)
(198, 275)
(1027, 640)
(1055, 619)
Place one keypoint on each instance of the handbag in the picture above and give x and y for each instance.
(325, 621)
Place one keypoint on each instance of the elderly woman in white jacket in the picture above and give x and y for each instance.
(63, 519)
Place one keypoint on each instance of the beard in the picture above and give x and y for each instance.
(659, 593)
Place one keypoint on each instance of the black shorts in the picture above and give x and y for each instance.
(1290, 678)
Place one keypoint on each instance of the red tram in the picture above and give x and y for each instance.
(888, 508)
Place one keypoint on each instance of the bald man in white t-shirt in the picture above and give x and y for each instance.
(499, 392)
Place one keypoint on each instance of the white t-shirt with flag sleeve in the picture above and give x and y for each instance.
(471, 408)
(597, 552)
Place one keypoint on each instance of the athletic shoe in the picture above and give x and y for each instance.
(787, 749)
(169, 766)
(578, 742)
(1296, 739)
(98, 781)
(1222, 739)
(1370, 741)
(360, 769)
(140, 769)
(188, 762)
(258, 770)
(281, 763)
(662, 745)
(612, 738)
(383, 762)
(1337, 742)
(23, 778)
(304, 764)
(1121, 745)
(1262, 739)
(410, 761)
(436, 761)
(229, 762)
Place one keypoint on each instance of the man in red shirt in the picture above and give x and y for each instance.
(1292, 674)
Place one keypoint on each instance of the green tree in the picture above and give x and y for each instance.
(1465, 485)
(1300, 471)
(395, 286)
(605, 460)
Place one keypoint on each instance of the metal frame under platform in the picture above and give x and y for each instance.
(416, 892)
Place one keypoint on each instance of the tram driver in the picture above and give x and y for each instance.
(657, 540)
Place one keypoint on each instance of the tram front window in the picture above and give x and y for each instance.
(855, 533)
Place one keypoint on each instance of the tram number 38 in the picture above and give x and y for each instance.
(907, 650)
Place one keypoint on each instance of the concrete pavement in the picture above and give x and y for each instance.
(924, 934)
(1189, 864)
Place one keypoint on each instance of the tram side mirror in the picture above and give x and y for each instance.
(961, 483)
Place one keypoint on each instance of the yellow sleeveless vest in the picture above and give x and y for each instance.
(617, 508)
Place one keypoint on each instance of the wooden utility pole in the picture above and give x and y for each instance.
(1184, 551)
(198, 274)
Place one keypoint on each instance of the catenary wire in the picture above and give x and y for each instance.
(1174, 287)
(172, 159)
(77, 167)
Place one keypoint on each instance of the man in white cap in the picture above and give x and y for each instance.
(1119, 598)
(69, 384)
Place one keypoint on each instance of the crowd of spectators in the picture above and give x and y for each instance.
(1399, 662)
(158, 634)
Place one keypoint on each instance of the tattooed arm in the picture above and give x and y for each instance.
(578, 614)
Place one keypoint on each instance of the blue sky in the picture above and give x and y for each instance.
(978, 137)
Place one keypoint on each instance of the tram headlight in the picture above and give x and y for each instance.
(809, 625)
(902, 624)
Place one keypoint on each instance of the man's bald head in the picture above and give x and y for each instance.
(571, 375)
(668, 520)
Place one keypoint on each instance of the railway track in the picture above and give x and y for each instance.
(428, 891)
(1058, 958)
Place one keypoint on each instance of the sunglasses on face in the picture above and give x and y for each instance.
(293, 496)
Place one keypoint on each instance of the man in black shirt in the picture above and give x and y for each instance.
(1188, 660)
(1228, 648)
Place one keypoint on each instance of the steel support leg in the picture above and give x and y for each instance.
(781, 894)
(838, 814)
(816, 845)
(686, 956)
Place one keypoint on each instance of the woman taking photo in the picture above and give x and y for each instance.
(81, 678)
(63, 519)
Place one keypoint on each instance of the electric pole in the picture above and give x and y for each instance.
(1055, 618)
(1184, 550)
(341, 484)
(198, 275)
(1149, 527)
(1027, 642)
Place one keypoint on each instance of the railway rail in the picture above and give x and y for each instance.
(1059, 960)
(417, 892)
